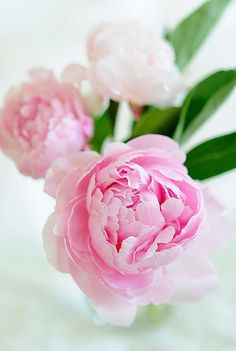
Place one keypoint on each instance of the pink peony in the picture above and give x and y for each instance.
(42, 120)
(129, 63)
(130, 227)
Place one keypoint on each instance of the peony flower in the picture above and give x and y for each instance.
(41, 120)
(132, 227)
(129, 63)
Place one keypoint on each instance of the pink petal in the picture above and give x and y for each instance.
(74, 74)
(96, 103)
(167, 256)
(192, 277)
(93, 41)
(78, 226)
(159, 142)
(54, 245)
(216, 233)
(159, 292)
(110, 306)
(166, 235)
(63, 166)
(150, 214)
(118, 280)
(41, 74)
(162, 289)
(115, 148)
(116, 311)
(172, 209)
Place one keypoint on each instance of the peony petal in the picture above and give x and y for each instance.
(93, 40)
(63, 166)
(116, 310)
(172, 209)
(74, 74)
(215, 235)
(78, 226)
(167, 256)
(54, 245)
(166, 235)
(96, 103)
(140, 280)
(192, 278)
(162, 288)
(115, 148)
(150, 214)
(159, 142)
(41, 74)
(111, 307)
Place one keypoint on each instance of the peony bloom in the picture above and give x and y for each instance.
(132, 227)
(128, 63)
(42, 120)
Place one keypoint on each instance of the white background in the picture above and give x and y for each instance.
(41, 309)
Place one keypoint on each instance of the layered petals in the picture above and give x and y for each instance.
(41, 120)
(127, 62)
(131, 227)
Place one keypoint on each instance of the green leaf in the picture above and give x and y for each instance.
(155, 121)
(102, 129)
(213, 157)
(190, 34)
(202, 101)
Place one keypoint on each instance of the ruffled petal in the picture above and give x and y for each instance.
(63, 166)
(159, 142)
(115, 148)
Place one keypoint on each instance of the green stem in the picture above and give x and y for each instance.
(113, 110)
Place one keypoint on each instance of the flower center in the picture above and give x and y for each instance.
(139, 215)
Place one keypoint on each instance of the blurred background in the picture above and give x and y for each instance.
(41, 309)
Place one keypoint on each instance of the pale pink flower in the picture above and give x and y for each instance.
(127, 62)
(41, 120)
(132, 227)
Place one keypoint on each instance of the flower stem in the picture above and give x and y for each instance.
(113, 110)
